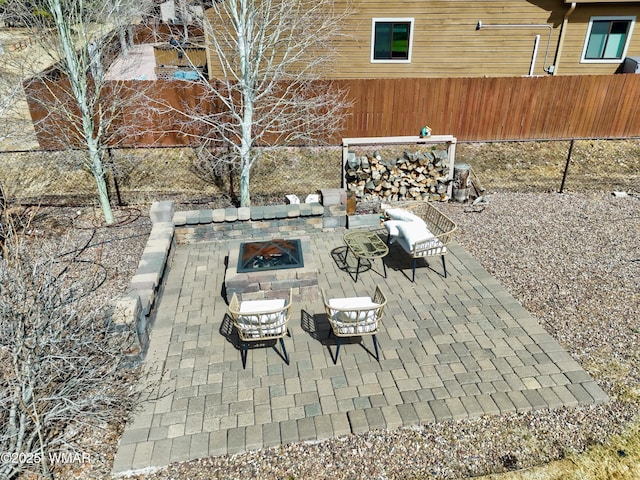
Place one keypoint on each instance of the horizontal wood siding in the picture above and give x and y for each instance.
(186, 57)
(152, 32)
(500, 108)
(446, 42)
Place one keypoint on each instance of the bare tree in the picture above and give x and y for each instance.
(61, 374)
(266, 89)
(82, 38)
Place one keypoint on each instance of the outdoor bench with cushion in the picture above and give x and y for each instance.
(421, 230)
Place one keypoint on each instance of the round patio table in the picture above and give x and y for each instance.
(365, 244)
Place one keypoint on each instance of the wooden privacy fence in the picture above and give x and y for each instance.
(504, 108)
(472, 109)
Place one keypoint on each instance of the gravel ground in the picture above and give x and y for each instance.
(572, 260)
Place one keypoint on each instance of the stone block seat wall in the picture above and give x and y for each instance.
(255, 222)
(134, 311)
(264, 223)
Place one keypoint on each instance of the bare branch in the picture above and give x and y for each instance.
(61, 363)
(265, 89)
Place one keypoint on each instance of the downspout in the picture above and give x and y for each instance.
(533, 56)
(563, 30)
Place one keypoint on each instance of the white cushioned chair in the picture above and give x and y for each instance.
(260, 320)
(355, 317)
(421, 230)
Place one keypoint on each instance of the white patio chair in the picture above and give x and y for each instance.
(261, 320)
(355, 317)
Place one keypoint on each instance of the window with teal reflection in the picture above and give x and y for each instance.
(607, 39)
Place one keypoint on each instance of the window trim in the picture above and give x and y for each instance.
(630, 18)
(410, 21)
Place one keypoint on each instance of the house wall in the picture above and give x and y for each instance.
(576, 33)
(447, 44)
(445, 40)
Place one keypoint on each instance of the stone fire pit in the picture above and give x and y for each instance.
(268, 279)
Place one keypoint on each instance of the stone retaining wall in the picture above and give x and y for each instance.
(134, 311)
(253, 222)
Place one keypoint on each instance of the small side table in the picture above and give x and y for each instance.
(365, 244)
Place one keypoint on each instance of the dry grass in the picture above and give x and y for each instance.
(539, 166)
(617, 459)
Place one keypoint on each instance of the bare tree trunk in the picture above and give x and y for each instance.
(124, 46)
(103, 196)
(245, 180)
(246, 82)
(2, 205)
(184, 15)
(246, 160)
(96, 166)
(80, 87)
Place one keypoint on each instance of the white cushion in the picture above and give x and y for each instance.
(351, 321)
(352, 302)
(413, 232)
(400, 214)
(257, 306)
(432, 246)
(392, 228)
(254, 323)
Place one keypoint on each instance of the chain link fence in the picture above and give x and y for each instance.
(139, 176)
(150, 174)
(554, 166)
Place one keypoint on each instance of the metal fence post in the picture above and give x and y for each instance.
(566, 166)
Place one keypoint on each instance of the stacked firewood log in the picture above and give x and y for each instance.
(412, 176)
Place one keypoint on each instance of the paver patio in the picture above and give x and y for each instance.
(453, 348)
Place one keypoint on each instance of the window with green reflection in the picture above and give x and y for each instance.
(391, 40)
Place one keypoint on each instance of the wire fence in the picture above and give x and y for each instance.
(146, 175)
(140, 176)
(555, 166)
